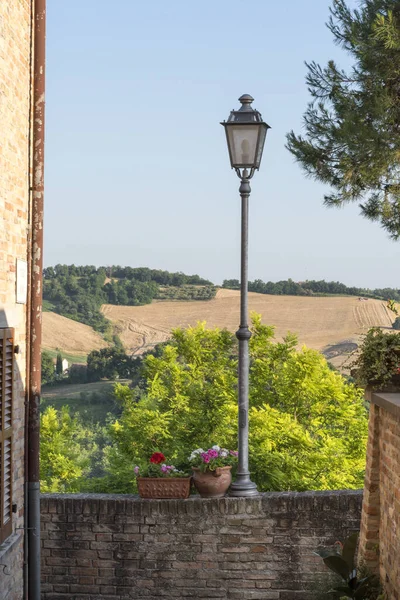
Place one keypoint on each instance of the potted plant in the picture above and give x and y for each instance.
(159, 480)
(356, 583)
(378, 363)
(212, 470)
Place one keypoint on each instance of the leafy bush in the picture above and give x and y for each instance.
(396, 324)
(308, 426)
(379, 359)
(66, 448)
(48, 372)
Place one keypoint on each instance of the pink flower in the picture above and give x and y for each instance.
(212, 453)
(136, 470)
(205, 457)
(164, 468)
(233, 453)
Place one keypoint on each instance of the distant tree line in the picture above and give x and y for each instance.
(143, 274)
(313, 288)
(77, 292)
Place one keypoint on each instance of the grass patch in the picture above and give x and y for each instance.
(71, 358)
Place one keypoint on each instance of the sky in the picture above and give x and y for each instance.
(137, 168)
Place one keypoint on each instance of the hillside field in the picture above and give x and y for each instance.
(74, 339)
(330, 324)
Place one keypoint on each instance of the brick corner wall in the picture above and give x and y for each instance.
(118, 547)
(380, 521)
(15, 105)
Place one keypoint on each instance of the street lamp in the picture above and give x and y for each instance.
(245, 134)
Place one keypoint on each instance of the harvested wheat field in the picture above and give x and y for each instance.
(69, 336)
(332, 324)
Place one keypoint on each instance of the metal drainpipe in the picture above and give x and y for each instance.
(36, 299)
(28, 306)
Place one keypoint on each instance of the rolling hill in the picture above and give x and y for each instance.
(69, 336)
(330, 324)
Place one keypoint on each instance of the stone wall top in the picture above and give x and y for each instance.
(269, 502)
(387, 401)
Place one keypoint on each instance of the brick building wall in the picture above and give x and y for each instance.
(380, 525)
(15, 46)
(107, 547)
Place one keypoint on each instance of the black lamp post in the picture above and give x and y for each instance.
(245, 134)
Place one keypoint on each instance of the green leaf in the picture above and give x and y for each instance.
(337, 565)
(349, 550)
(325, 552)
(344, 590)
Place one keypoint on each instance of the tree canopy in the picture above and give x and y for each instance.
(352, 124)
(313, 288)
(77, 292)
(308, 426)
(66, 448)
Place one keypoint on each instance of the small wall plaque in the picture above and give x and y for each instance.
(21, 281)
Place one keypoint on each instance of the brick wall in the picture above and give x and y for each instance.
(380, 527)
(15, 27)
(118, 547)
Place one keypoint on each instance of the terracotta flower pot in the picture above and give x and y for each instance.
(164, 487)
(212, 484)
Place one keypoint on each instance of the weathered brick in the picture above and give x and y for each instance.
(380, 523)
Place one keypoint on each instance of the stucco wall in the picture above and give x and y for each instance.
(120, 547)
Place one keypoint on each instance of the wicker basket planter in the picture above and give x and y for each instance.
(164, 487)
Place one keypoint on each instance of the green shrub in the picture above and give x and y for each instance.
(308, 426)
(379, 358)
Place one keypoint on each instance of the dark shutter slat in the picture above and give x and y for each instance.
(7, 481)
(6, 410)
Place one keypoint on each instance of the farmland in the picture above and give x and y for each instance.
(333, 324)
(74, 339)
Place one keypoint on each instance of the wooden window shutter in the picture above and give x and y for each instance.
(6, 429)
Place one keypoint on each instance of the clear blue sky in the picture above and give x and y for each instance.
(137, 171)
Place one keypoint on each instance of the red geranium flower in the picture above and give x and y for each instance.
(157, 458)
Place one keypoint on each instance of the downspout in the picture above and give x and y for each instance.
(36, 300)
(28, 305)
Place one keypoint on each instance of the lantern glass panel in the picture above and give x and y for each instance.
(242, 140)
(260, 146)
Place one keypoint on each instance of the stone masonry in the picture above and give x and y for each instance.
(106, 547)
(380, 526)
(15, 45)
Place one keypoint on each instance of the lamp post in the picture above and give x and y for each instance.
(245, 134)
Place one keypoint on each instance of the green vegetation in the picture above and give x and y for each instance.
(71, 358)
(90, 404)
(313, 288)
(396, 324)
(308, 426)
(356, 582)
(352, 139)
(78, 292)
(378, 363)
(48, 306)
(66, 448)
(59, 365)
(187, 292)
(48, 373)
(109, 363)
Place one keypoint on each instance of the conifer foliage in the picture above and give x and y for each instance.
(352, 124)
